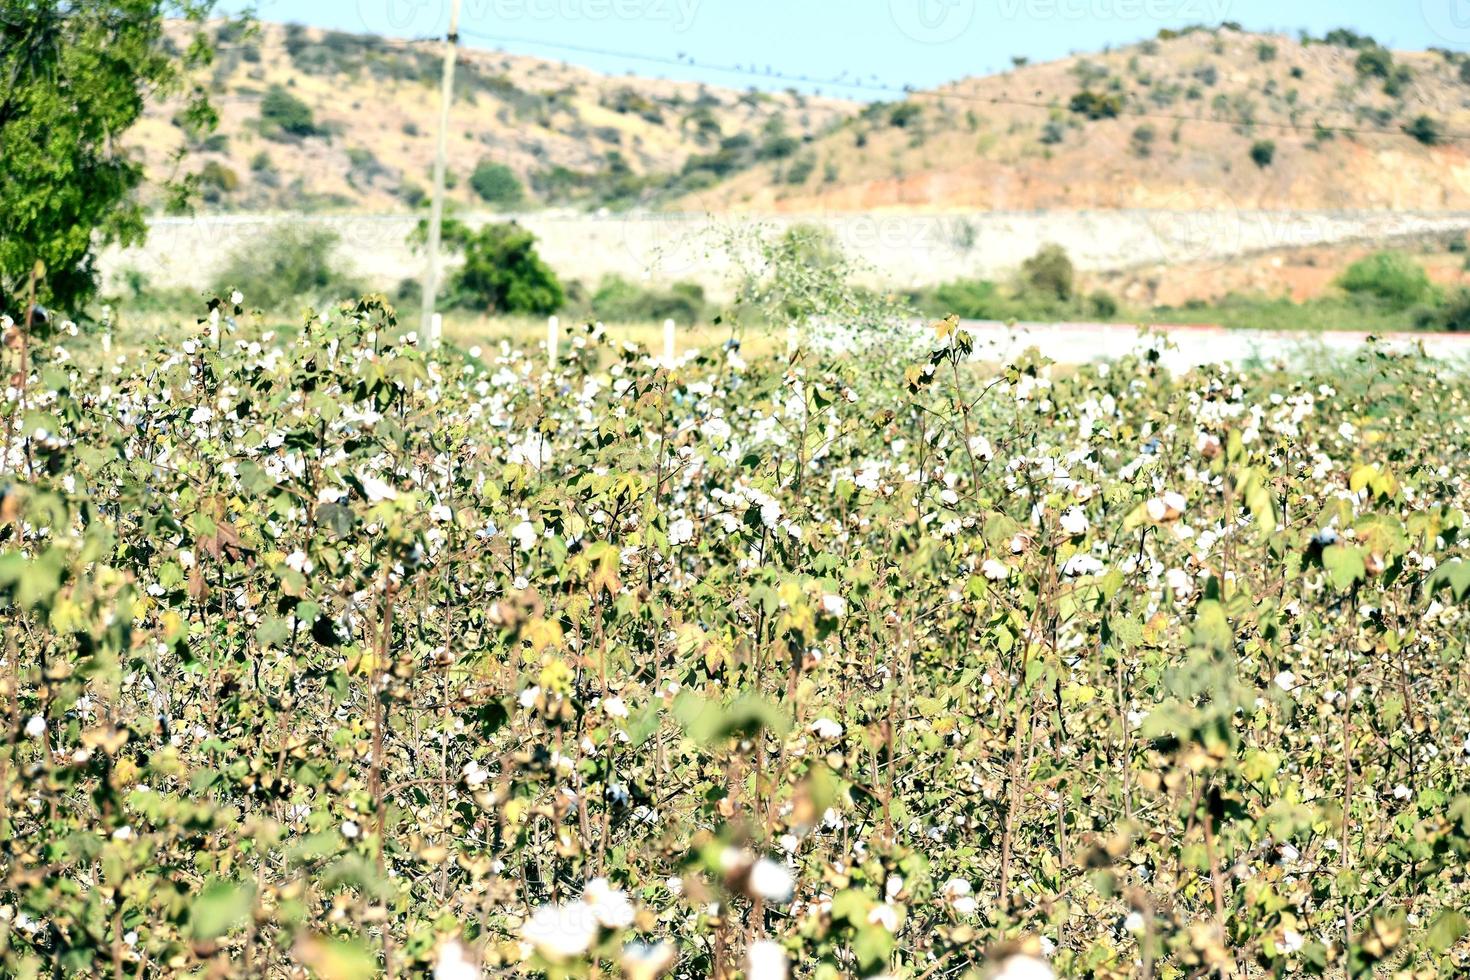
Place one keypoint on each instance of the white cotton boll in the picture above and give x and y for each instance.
(1134, 923)
(893, 886)
(765, 960)
(681, 531)
(826, 729)
(609, 905)
(236, 298)
(524, 535)
(884, 915)
(350, 829)
(441, 513)
(995, 570)
(528, 697)
(771, 881)
(452, 963)
(35, 726)
(641, 961)
(1285, 680)
(615, 707)
(200, 416)
(1402, 792)
(834, 605)
(376, 489)
(1075, 522)
(716, 429)
(1023, 967)
(1179, 582)
(474, 775)
(1082, 564)
(560, 932)
(1291, 941)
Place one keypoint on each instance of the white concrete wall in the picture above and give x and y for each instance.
(902, 249)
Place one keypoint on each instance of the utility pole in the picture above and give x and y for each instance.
(429, 327)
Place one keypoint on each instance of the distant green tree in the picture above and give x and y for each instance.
(1050, 272)
(1263, 153)
(502, 273)
(497, 184)
(73, 79)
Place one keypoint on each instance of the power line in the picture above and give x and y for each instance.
(909, 91)
(847, 80)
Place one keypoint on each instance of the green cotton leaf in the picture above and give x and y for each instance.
(1448, 928)
(872, 945)
(1212, 629)
(220, 907)
(337, 959)
(1454, 574)
(641, 725)
(707, 721)
(1344, 565)
(1259, 502)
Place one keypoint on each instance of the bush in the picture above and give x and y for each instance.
(1263, 153)
(1390, 277)
(970, 299)
(497, 184)
(617, 299)
(288, 266)
(502, 273)
(1050, 273)
(1142, 141)
(1095, 105)
(282, 113)
(1453, 316)
(1374, 62)
(1426, 130)
(801, 168)
(1102, 304)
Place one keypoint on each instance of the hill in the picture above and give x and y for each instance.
(313, 120)
(1206, 119)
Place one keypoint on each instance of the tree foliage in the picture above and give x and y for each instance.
(73, 78)
(501, 273)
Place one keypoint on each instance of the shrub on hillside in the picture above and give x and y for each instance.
(289, 266)
(1263, 153)
(283, 114)
(1096, 105)
(1390, 277)
(496, 183)
(1425, 129)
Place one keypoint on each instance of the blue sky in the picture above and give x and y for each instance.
(884, 42)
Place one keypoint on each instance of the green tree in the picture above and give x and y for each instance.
(1050, 272)
(502, 272)
(497, 184)
(73, 79)
(1263, 153)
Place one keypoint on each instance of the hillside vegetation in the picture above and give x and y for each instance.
(313, 119)
(1207, 119)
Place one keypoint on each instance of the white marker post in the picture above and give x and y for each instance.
(669, 343)
(436, 330)
(553, 338)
